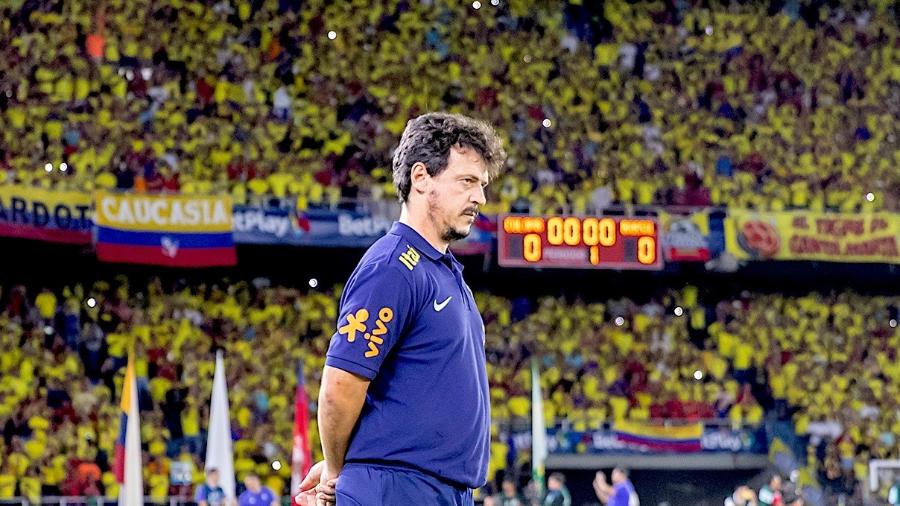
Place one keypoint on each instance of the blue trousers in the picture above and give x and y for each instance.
(377, 485)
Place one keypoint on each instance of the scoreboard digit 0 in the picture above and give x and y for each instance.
(579, 242)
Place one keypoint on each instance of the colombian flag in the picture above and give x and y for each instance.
(660, 438)
(128, 464)
(169, 230)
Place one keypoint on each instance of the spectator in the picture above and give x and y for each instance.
(772, 494)
(281, 104)
(256, 494)
(7, 481)
(508, 495)
(557, 493)
(15, 426)
(46, 304)
(894, 494)
(742, 496)
(210, 493)
(621, 493)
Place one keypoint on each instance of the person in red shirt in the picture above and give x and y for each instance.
(204, 91)
(153, 180)
(170, 182)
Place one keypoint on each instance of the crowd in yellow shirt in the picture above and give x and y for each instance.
(61, 372)
(832, 359)
(657, 103)
(815, 359)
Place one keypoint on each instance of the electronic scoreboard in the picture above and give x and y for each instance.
(579, 242)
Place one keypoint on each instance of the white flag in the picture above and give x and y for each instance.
(131, 492)
(538, 429)
(219, 454)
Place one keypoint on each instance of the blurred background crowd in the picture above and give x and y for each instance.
(770, 105)
(825, 361)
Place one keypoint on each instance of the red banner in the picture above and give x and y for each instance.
(301, 460)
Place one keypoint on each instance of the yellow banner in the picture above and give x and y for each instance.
(48, 215)
(163, 213)
(800, 235)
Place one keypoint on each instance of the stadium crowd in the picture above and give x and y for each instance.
(826, 361)
(600, 103)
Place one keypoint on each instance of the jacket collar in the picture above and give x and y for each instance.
(417, 241)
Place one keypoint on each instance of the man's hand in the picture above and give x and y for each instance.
(317, 488)
(601, 488)
(325, 490)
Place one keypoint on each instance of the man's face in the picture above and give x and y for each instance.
(212, 479)
(456, 194)
(775, 483)
(509, 488)
(252, 483)
(554, 484)
(618, 477)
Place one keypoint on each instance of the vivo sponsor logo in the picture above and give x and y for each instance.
(723, 440)
(367, 226)
(256, 220)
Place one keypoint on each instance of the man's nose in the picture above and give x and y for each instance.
(479, 197)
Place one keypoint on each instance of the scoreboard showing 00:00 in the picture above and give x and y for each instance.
(574, 242)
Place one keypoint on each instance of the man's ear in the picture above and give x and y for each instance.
(418, 178)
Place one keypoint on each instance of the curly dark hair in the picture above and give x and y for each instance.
(428, 139)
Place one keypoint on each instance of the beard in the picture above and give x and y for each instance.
(451, 234)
